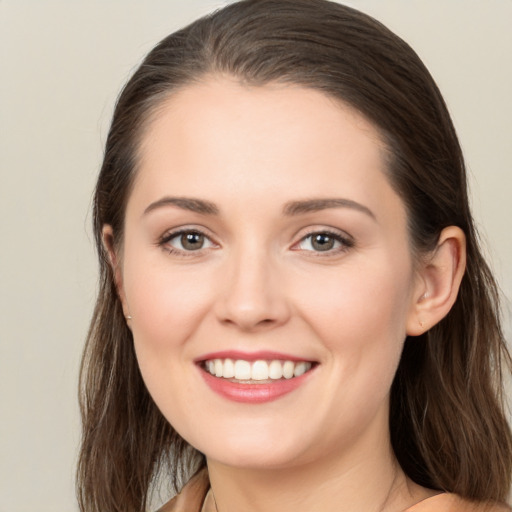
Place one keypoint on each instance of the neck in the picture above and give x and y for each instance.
(372, 481)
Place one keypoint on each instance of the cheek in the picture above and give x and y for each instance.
(360, 316)
(167, 307)
(166, 304)
(358, 302)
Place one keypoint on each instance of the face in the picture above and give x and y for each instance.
(268, 273)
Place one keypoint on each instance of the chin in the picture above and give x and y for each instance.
(254, 459)
(254, 448)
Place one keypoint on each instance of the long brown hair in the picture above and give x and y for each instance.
(447, 420)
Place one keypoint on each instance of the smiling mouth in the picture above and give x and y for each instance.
(256, 372)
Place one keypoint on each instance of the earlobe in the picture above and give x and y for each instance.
(108, 244)
(439, 280)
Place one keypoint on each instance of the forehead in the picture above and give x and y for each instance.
(222, 139)
(223, 102)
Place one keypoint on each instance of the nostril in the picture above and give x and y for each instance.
(252, 301)
(249, 324)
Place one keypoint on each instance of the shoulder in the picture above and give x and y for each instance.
(191, 497)
(447, 502)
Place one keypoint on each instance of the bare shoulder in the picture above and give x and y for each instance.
(452, 503)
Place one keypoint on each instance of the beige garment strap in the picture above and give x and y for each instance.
(446, 502)
(209, 504)
(192, 496)
(196, 496)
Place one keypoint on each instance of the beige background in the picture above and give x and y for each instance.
(62, 65)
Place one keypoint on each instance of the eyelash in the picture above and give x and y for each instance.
(345, 242)
(168, 237)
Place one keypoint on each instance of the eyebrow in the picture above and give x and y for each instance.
(314, 205)
(290, 209)
(185, 203)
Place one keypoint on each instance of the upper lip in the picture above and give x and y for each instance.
(251, 356)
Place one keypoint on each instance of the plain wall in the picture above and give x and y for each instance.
(62, 65)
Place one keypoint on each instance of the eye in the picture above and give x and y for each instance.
(186, 241)
(324, 241)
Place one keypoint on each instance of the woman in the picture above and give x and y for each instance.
(293, 306)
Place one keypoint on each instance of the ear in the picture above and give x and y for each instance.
(108, 243)
(439, 278)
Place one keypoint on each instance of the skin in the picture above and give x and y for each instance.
(259, 284)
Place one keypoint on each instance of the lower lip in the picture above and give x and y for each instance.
(253, 393)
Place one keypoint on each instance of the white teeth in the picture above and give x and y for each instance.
(229, 369)
(300, 368)
(218, 367)
(242, 370)
(275, 370)
(288, 368)
(258, 370)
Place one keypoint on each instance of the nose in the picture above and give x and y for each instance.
(254, 294)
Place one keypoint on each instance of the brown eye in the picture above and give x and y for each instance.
(325, 241)
(192, 241)
(186, 241)
(322, 242)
